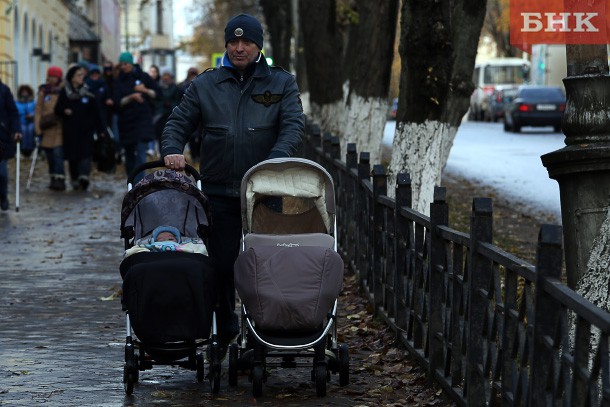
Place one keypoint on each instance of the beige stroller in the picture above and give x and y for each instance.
(289, 274)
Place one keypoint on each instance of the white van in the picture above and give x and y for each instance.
(495, 74)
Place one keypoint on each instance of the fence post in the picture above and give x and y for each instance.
(351, 157)
(350, 219)
(380, 187)
(439, 215)
(335, 148)
(326, 148)
(364, 172)
(479, 274)
(548, 265)
(316, 142)
(401, 241)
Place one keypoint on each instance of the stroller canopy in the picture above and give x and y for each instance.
(287, 195)
(168, 198)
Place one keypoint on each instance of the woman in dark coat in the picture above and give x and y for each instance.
(82, 118)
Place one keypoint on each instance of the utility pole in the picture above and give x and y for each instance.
(126, 12)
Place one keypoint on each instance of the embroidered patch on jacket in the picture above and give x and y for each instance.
(267, 98)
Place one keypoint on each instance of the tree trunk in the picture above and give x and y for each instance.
(323, 50)
(438, 46)
(278, 16)
(369, 64)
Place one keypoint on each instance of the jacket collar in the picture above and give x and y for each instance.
(226, 71)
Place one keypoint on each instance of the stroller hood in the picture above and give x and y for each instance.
(288, 177)
(168, 198)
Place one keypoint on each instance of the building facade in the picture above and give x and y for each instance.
(35, 34)
(148, 32)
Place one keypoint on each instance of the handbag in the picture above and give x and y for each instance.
(47, 121)
(104, 152)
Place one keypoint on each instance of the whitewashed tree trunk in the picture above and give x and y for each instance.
(594, 285)
(364, 122)
(420, 150)
(329, 116)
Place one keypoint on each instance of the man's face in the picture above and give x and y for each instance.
(125, 67)
(241, 53)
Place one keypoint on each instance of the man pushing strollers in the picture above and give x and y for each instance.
(249, 112)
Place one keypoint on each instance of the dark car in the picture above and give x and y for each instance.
(496, 102)
(535, 106)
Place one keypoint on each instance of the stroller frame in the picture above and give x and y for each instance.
(140, 356)
(253, 348)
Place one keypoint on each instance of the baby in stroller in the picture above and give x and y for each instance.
(168, 239)
(168, 281)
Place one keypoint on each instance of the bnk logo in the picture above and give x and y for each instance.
(558, 22)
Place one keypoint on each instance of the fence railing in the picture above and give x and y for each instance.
(490, 328)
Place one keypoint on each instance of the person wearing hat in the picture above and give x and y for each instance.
(249, 112)
(10, 132)
(133, 93)
(48, 126)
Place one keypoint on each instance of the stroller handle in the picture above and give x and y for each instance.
(190, 170)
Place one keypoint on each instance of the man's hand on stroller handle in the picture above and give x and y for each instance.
(175, 162)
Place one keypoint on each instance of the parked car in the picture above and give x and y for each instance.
(535, 106)
(496, 101)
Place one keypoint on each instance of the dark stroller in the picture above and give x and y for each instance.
(288, 274)
(169, 297)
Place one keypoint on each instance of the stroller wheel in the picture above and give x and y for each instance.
(215, 378)
(199, 365)
(257, 381)
(129, 380)
(233, 364)
(343, 365)
(321, 376)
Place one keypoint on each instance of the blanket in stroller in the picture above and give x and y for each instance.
(170, 296)
(289, 288)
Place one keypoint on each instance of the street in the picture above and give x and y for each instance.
(507, 162)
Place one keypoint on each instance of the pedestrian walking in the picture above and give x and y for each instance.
(195, 139)
(10, 133)
(48, 126)
(155, 74)
(168, 99)
(25, 105)
(250, 112)
(132, 94)
(81, 118)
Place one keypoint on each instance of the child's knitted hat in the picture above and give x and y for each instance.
(169, 229)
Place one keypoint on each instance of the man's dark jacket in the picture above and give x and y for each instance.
(243, 123)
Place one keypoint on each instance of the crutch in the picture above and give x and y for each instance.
(32, 165)
(17, 165)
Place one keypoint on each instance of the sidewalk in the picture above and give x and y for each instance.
(63, 331)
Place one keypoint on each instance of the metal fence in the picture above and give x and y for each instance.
(490, 328)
